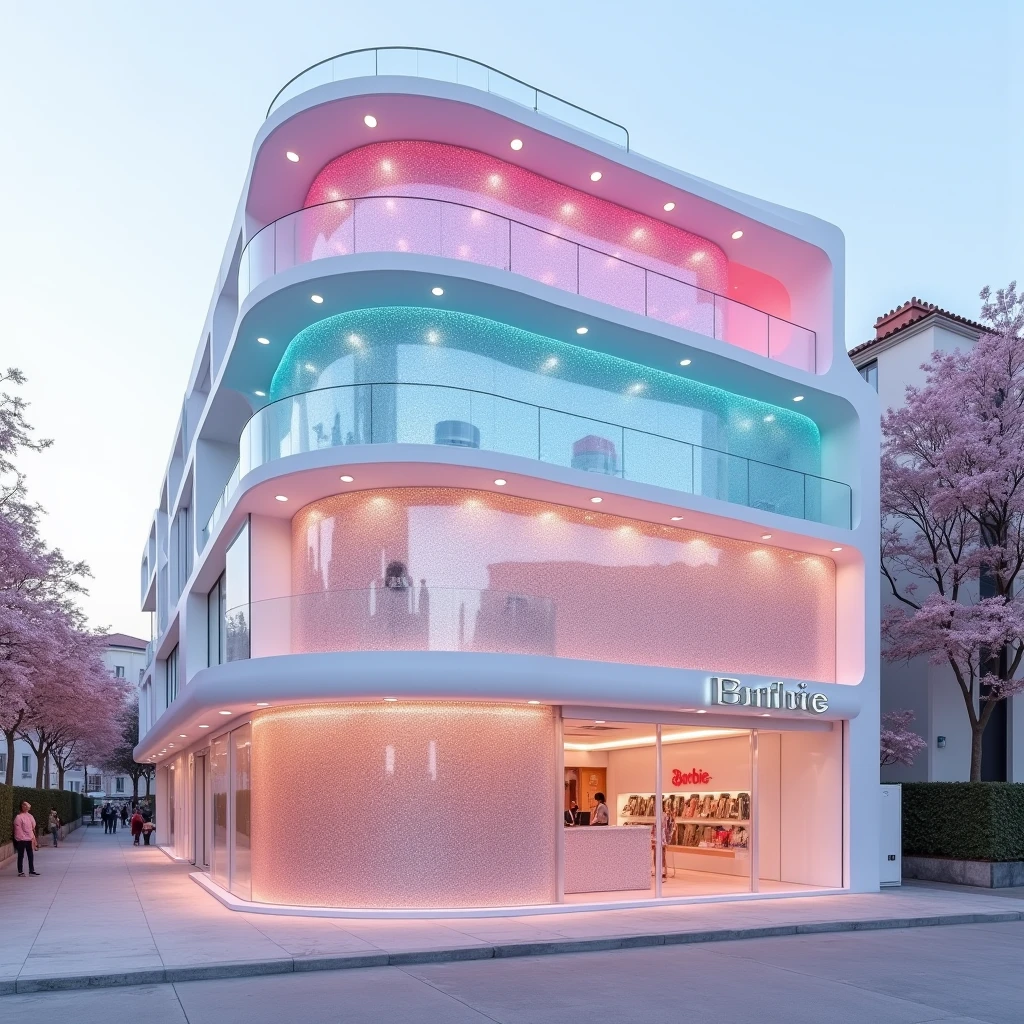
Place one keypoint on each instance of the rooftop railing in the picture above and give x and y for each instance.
(439, 414)
(435, 227)
(441, 66)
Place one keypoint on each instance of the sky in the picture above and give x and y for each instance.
(127, 129)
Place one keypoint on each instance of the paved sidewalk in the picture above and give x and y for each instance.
(106, 913)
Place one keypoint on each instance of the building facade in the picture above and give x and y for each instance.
(521, 484)
(124, 656)
(905, 339)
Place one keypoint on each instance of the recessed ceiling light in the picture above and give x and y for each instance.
(798, 398)
(599, 721)
(391, 700)
(499, 482)
(346, 479)
(597, 501)
(280, 497)
(436, 291)
(685, 362)
(669, 207)
(294, 157)
(260, 394)
(837, 549)
(223, 712)
(204, 727)
(317, 299)
(182, 736)
(766, 715)
(262, 704)
(737, 234)
(701, 711)
(766, 536)
(582, 330)
(676, 519)
(170, 744)
(516, 144)
(370, 121)
(533, 702)
(263, 341)
(595, 176)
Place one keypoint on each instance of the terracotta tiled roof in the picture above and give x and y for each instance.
(124, 640)
(911, 312)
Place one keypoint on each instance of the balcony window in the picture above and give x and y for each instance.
(869, 371)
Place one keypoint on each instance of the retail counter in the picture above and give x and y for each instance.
(600, 858)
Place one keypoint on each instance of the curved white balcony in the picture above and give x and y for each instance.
(434, 227)
(389, 413)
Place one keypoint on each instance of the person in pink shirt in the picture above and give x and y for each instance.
(25, 838)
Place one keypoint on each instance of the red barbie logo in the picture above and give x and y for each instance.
(695, 777)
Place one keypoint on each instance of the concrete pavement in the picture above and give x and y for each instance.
(956, 975)
(105, 913)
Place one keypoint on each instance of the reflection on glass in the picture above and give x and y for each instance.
(236, 572)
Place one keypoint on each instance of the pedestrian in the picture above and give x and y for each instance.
(137, 824)
(25, 838)
(148, 828)
(53, 825)
(124, 815)
(105, 815)
(113, 820)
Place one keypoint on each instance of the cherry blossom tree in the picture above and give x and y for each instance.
(122, 757)
(952, 477)
(900, 744)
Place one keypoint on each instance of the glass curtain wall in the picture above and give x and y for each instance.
(236, 573)
(241, 762)
(220, 777)
(216, 623)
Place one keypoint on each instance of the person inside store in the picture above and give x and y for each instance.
(572, 816)
(599, 816)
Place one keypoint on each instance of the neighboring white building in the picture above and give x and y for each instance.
(125, 656)
(904, 341)
(513, 467)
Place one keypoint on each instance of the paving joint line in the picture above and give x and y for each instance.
(353, 961)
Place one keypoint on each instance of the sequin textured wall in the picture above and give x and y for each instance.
(474, 570)
(419, 805)
(435, 171)
(417, 345)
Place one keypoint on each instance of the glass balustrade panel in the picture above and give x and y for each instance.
(580, 443)
(778, 490)
(680, 304)
(611, 280)
(792, 345)
(544, 257)
(661, 461)
(398, 225)
(741, 326)
(474, 235)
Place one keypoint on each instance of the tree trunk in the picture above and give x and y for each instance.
(147, 783)
(9, 776)
(135, 787)
(60, 775)
(39, 771)
(46, 771)
(977, 732)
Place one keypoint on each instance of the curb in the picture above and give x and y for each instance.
(352, 961)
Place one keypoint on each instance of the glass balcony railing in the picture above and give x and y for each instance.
(434, 227)
(438, 414)
(417, 62)
(417, 618)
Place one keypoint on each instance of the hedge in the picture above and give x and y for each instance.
(70, 806)
(964, 820)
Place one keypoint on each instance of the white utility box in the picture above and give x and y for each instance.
(890, 834)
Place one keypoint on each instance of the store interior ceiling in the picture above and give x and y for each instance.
(599, 734)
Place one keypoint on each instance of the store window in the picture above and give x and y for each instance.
(741, 810)
(219, 779)
(241, 752)
(236, 574)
